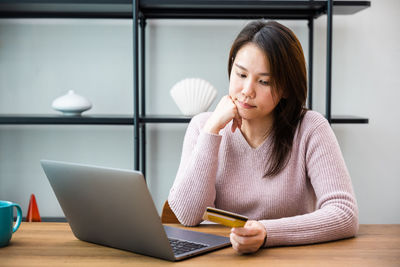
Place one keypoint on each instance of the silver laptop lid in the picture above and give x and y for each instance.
(108, 206)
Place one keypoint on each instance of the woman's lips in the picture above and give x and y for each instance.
(245, 105)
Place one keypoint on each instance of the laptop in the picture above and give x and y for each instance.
(113, 207)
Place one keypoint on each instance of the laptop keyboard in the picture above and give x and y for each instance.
(183, 246)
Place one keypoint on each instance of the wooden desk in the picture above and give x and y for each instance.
(53, 244)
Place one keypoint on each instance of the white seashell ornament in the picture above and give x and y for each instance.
(71, 104)
(193, 95)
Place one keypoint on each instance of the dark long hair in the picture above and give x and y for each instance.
(288, 79)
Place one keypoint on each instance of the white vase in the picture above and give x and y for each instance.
(71, 104)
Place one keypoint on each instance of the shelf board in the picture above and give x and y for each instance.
(250, 9)
(112, 9)
(165, 119)
(52, 119)
(205, 9)
(349, 119)
(184, 119)
(49, 119)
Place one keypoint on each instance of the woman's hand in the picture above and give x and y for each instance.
(248, 239)
(225, 111)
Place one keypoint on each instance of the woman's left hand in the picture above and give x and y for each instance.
(248, 239)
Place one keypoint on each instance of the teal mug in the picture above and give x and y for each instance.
(7, 220)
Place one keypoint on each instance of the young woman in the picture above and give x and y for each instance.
(263, 155)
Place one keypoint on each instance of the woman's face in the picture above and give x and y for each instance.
(249, 84)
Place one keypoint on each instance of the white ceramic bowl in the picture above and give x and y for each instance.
(71, 104)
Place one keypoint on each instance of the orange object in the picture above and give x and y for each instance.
(33, 211)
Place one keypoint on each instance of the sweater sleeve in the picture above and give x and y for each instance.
(336, 214)
(194, 186)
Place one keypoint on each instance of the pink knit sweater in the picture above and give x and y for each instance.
(310, 201)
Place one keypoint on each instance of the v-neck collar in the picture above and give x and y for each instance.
(239, 135)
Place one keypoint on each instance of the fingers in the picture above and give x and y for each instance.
(248, 239)
(245, 244)
(237, 118)
(225, 112)
(245, 231)
(250, 228)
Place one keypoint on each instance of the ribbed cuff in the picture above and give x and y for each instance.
(209, 142)
(274, 233)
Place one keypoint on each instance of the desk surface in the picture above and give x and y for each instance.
(53, 244)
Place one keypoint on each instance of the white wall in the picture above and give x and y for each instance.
(42, 59)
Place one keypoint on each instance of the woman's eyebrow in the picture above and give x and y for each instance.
(243, 68)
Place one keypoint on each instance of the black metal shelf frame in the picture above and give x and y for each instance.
(308, 10)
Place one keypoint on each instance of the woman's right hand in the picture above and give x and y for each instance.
(225, 111)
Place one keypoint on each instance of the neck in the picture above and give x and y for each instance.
(256, 131)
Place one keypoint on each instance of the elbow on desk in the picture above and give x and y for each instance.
(183, 216)
(189, 221)
(349, 224)
(342, 215)
(190, 224)
(354, 222)
(354, 226)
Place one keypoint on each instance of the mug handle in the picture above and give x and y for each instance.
(19, 217)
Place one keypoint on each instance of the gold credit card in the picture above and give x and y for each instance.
(224, 217)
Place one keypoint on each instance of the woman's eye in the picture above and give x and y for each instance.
(264, 82)
(241, 75)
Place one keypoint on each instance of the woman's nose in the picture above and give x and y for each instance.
(248, 88)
